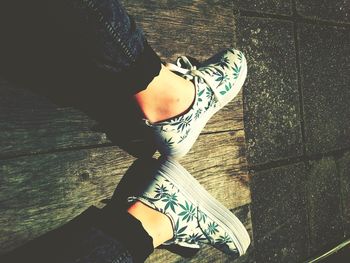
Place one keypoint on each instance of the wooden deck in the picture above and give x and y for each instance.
(53, 164)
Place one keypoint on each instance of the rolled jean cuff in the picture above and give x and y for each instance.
(145, 68)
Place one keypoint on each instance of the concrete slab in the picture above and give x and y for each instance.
(286, 244)
(278, 195)
(344, 170)
(283, 7)
(325, 77)
(324, 209)
(270, 95)
(335, 10)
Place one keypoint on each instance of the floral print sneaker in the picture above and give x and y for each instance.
(217, 82)
(197, 218)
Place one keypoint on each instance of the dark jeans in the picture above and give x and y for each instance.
(78, 241)
(98, 235)
(83, 53)
(95, 236)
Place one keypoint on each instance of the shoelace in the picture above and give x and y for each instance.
(190, 72)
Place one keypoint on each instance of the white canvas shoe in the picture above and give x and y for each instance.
(216, 83)
(197, 218)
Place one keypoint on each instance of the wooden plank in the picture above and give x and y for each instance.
(229, 117)
(218, 162)
(198, 28)
(40, 192)
(29, 123)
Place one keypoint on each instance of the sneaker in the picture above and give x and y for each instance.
(197, 218)
(217, 82)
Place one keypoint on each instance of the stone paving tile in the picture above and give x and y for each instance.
(283, 7)
(325, 75)
(287, 244)
(271, 98)
(344, 170)
(332, 10)
(278, 195)
(324, 207)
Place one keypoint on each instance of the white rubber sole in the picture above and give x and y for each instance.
(194, 192)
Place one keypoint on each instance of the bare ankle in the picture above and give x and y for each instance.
(156, 224)
(167, 96)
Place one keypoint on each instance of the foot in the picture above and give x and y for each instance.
(216, 82)
(196, 217)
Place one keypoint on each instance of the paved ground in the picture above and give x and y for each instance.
(297, 124)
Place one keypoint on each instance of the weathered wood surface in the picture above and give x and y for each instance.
(42, 191)
(54, 164)
(32, 124)
(218, 162)
(198, 28)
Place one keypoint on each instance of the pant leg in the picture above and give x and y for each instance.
(95, 236)
(78, 49)
(86, 54)
(114, 43)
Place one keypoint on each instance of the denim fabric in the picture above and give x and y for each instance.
(92, 237)
(114, 40)
(86, 54)
(64, 48)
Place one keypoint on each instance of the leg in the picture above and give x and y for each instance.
(168, 95)
(195, 216)
(80, 240)
(96, 237)
(83, 53)
(90, 53)
(168, 207)
(155, 223)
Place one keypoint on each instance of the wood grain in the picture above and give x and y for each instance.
(40, 192)
(32, 124)
(218, 162)
(197, 28)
